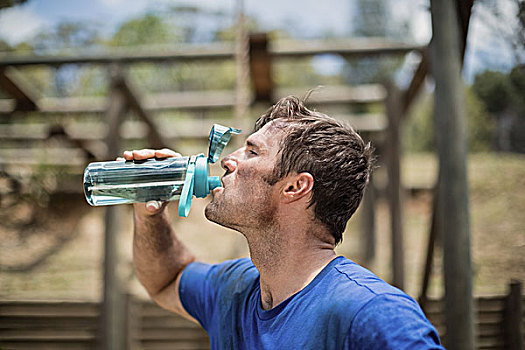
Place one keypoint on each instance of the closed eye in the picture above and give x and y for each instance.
(252, 152)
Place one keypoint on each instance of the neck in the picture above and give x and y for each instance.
(288, 260)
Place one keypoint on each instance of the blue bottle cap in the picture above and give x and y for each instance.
(214, 182)
(200, 187)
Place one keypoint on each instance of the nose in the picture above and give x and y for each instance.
(229, 163)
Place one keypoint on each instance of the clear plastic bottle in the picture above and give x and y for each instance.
(123, 182)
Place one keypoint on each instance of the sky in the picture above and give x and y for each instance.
(308, 18)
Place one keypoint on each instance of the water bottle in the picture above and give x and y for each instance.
(123, 182)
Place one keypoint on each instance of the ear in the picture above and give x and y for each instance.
(297, 186)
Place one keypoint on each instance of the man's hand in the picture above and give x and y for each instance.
(151, 207)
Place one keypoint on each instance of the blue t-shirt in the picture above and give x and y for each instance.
(344, 307)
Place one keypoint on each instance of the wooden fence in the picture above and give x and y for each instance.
(74, 325)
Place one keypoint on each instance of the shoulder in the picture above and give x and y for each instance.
(392, 321)
(342, 289)
(235, 272)
(355, 284)
(238, 271)
(382, 314)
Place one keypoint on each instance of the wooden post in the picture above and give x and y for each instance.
(368, 225)
(261, 67)
(513, 317)
(132, 322)
(453, 211)
(393, 109)
(113, 306)
(242, 74)
(427, 272)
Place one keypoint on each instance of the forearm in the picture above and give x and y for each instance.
(158, 255)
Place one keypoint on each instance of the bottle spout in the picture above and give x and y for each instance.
(218, 139)
(214, 182)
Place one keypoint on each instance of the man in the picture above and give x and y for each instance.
(290, 191)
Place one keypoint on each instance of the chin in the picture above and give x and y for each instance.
(213, 213)
(217, 215)
(209, 212)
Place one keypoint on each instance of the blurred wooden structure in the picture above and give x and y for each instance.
(103, 139)
(74, 325)
(452, 212)
(102, 142)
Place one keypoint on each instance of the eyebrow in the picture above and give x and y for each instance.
(251, 143)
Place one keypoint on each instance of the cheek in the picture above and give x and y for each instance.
(246, 173)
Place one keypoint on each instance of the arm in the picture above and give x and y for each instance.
(158, 255)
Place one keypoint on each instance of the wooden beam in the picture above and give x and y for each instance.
(464, 10)
(183, 53)
(192, 101)
(355, 47)
(136, 130)
(338, 94)
(415, 84)
(223, 51)
(12, 82)
(453, 207)
(58, 131)
(205, 100)
(393, 160)
(156, 139)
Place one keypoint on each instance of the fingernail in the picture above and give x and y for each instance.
(153, 205)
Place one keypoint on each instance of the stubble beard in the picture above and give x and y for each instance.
(242, 216)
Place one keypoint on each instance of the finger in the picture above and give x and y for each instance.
(143, 154)
(153, 206)
(128, 155)
(166, 152)
(120, 159)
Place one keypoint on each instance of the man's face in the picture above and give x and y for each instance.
(247, 199)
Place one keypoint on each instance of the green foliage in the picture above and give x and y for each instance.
(517, 82)
(500, 91)
(9, 3)
(494, 89)
(66, 36)
(418, 133)
(480, 124)
(504, 96)
(149, 29)
(419, 130)
(374, 19)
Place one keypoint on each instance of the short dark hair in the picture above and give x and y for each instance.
(331, 151)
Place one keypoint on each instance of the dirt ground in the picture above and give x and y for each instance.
(56, 253)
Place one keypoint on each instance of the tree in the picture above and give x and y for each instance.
(10, 3)
(504, 97)
(419, 136)
(149, 29)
